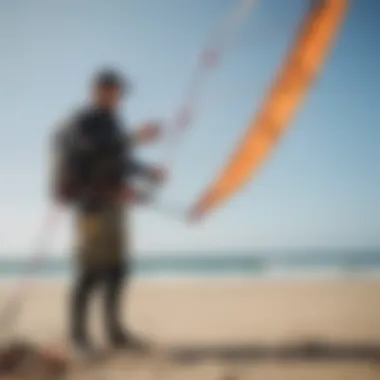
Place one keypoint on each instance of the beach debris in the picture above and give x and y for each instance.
(27, 361)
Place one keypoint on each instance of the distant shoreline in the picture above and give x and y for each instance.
(324, 264)
(211, 279)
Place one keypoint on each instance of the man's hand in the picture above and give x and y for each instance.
(148, 133)
(132, 195)
(157, 175)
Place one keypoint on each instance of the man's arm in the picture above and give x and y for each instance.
(147, 133)
(149, 172)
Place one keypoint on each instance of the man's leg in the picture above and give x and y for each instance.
(81, 295)
(114, 272)
(90, 235)
(117, 277)
(113, 292)
(115, 282)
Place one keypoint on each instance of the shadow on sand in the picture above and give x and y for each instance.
(305, 351)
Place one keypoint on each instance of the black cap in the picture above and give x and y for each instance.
(110, 78)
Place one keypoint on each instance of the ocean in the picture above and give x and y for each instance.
(221, 264)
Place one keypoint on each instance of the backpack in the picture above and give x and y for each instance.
(64, 178)
(86, 159)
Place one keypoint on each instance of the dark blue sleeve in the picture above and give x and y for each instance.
(137, 168)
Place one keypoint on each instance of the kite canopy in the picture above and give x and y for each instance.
(300, 69)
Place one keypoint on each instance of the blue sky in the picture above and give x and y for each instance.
(320, 188)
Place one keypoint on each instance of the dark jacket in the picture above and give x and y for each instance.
(93, 158)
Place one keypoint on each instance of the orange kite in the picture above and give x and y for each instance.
(299, 71)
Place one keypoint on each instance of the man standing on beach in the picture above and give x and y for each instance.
(94, 168)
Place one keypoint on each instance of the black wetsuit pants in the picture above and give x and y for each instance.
(110, 282)
(100, 266)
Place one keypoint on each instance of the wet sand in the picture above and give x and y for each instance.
(223, 313)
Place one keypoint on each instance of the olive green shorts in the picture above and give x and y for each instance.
(100, 237)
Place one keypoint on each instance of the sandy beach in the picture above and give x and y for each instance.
(223, 312)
